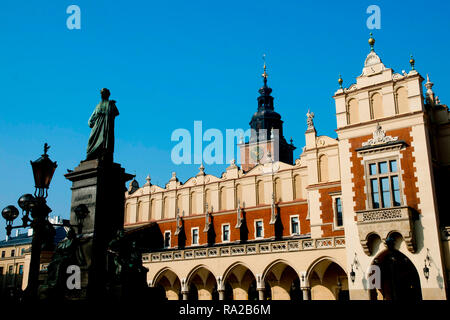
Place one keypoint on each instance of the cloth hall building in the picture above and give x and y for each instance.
(363, 216)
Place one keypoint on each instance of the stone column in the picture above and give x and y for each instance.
(185, 295)
(260, 293)
(221, 294)
(306, 293)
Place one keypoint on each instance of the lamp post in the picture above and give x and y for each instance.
(36, 208)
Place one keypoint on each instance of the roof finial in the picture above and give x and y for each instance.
(264, 75)
(46, 147)
(340, 81)
(371, 41)
(412, 62)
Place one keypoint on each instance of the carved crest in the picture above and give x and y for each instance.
(379, 137)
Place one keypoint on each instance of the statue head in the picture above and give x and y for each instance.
(105, 93)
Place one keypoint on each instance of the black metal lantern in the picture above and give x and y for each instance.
(43, 170)
(352, 275)
(426, 271)
(10, 213)
(26, 202)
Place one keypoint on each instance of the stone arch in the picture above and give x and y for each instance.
(169, 280)
(204, 281)
(127, 218)
(152, 214)
(323, 168)
(278, 190)
(298, 192)
(165, 208)
(283, 279)
(260, 192)
(223, 198)
(193, 203)
(327, 280)
(376, 106)
(352, 111)
(208, 199)
(401, 98)
(238, 198)
(140, 212)
(399, 277)
(241, 279)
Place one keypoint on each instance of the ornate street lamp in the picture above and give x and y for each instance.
(43, 170)
(36, 206)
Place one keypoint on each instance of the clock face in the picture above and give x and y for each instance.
(256, 153)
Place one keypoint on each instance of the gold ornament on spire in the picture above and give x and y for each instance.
(264, 75)
(412, 62)
(340, 81)
(371, 41)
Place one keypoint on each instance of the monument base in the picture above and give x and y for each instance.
(100, 186)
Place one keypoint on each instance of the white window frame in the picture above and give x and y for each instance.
(290, 224)
(255, 221)
(229, 232)
(170, 239)
(377, 176)
(333, 199)
(192, 236)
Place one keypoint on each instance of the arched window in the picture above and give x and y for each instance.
(298, 187)
(152, 214)
(179, 204)
(208, 199)
(352, 111)
(127, 213)
(140, 212)
(165, 213)
(402, 100)
(223, 199)
(376, 103)
(323, 168)
(260, 192)
(239, 195)
(193, 203)
(278, 190)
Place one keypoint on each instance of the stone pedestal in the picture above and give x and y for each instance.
(101, 187)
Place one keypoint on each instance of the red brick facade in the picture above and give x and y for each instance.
(407, 163)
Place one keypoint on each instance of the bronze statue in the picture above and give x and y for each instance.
(67, 253)
(101, 140)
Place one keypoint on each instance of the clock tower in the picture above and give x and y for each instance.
(267, 142)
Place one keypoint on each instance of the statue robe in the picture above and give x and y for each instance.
(101, 140)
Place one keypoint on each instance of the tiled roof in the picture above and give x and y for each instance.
(22, 239)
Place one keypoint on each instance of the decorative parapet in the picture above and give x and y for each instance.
(384, 222)
(247, 249)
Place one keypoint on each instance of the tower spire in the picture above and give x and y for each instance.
(264, 75)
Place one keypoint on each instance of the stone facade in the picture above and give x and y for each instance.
(315, 228)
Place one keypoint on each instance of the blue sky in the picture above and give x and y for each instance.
(169, 63)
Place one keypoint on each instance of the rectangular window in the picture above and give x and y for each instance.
(339, 217)
(10, 269)
(167, 239)
(295, 229)
(384, 184)
(226, 232)
(1, 272)
(194, 236)
(13, 252)
(21, 269)
(3, 254)
(259, 229)
(22, 252)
